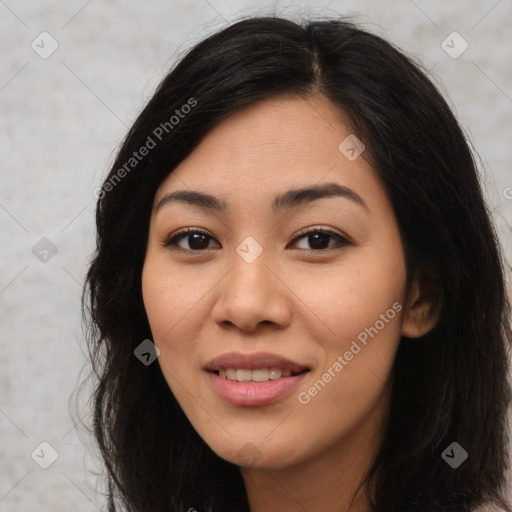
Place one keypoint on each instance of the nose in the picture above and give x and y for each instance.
(252, 294)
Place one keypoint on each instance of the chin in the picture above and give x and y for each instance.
(261, 455)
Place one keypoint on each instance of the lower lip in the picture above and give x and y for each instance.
(254, 393)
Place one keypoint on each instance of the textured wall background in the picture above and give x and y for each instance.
(62, 117)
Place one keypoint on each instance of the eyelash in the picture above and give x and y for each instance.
(171, 241)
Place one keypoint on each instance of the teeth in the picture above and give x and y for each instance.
(243, 375)
(275, 373)
(259, 375)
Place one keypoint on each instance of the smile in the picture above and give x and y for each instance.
(259, 375)
(249, 380)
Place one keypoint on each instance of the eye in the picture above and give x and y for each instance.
(317, 237)
(198, 239)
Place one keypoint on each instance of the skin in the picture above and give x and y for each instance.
(306, 306)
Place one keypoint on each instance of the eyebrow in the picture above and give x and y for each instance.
(289, 199)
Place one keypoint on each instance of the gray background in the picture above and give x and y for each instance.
(62, 118)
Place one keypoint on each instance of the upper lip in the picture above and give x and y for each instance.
(254, 361)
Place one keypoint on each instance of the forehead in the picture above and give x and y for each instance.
(278, 127)
(270, 147)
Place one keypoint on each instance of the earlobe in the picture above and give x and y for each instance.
(421, 313)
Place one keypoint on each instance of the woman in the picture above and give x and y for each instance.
(243, 365)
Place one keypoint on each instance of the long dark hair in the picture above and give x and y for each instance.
(449, 386)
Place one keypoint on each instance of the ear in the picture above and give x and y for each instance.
(423, 307)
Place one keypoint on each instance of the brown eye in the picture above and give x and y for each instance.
(198, 240)
(319, 239)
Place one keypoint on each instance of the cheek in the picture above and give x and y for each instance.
(358, 310)
(171, 297)
(165, 305)
(342, 300)
(174, 300)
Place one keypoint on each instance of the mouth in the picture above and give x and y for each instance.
(258, 367)
(258, 375)
(254, 379)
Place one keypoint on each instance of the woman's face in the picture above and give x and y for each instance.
(276, 343)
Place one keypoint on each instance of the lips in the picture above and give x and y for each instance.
(257, 361)
(247, 380)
